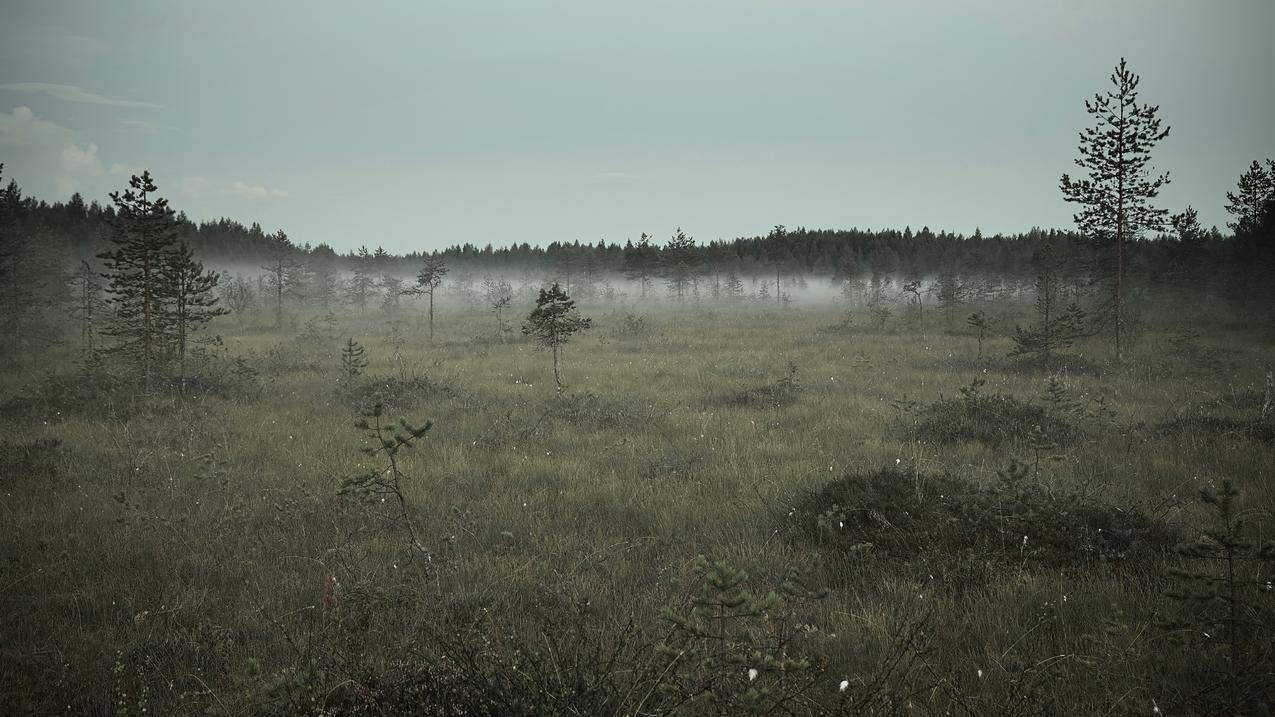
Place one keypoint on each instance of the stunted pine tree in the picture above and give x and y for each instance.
(285, 274)
(1116, 195)
(553, 322)
(778, 254)
(428, 279)
(362, 284)
(499, 295)
(239, 296)
(1056, 326)
(145, 237)
(733, 287)
(191, 302)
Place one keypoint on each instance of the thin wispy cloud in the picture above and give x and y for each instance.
(71, 93)
(244, 190)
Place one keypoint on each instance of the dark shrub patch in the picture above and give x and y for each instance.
(989, 418)
(900, 515)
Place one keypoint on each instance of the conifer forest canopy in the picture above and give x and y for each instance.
(587, 358)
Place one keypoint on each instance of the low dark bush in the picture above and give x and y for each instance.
(896, 514)
(989, 418)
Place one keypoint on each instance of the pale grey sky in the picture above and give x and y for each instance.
(416, 125)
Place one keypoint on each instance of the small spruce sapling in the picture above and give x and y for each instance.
(978, 322)
(553, 322)
(1226, 606)
(353, 358)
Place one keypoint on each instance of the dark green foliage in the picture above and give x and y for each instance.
(719, 662)
(1255, 190)
(353, 358)
(553, 322)
(190, 302)
(362, 284)
(680, 265)
(1115, 197)
(1056, 326)
(641, 263)
(897, 514)
(1226, 609)
(990, 418)
(145, 237)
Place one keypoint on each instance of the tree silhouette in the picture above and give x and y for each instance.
(428, 279)
(1116, 196)
(145, 238)
(553, 322)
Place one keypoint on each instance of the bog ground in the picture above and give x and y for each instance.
(193, 555)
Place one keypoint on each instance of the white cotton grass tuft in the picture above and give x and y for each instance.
(752, 674)
(845, 684)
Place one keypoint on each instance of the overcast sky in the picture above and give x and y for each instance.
(416, 125)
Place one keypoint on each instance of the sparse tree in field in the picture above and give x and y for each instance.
(353, 358)
(190, 301)
(553, 322)
(386, 440)
(284, 273)
(778, 255)
(1115, 197)
(428, 279)
(679, 264)
(641, 262)
(1256, 188)
(1056, 327)
(978, 322)
(732, 287)
(145, 238)
(499, 295)
(239, 296)
(950, 294)
(914, 288)
(875, 302)
(391, 293)
(362, 284)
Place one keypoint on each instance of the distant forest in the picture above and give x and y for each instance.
(80, 230)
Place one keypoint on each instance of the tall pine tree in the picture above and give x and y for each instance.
(145, 238)
(1116, 196)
